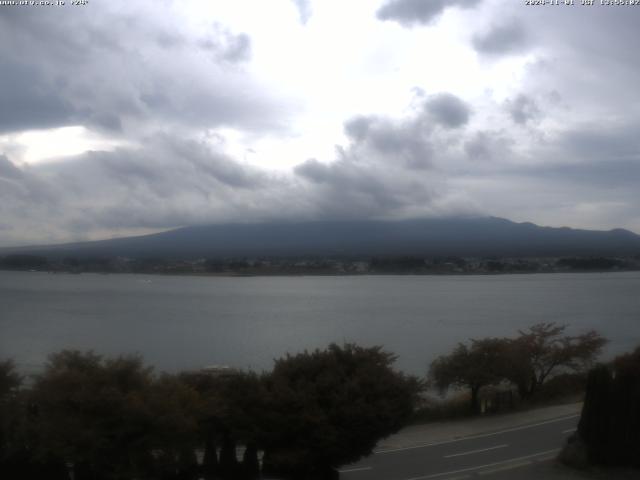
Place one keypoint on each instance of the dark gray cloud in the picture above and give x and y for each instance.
(8, 170)
(621, 174)
(502, 39)
(304, 10)
(576, 161)
(570, 53)
(522, 109)
(392, 167)
(29, 100)
(96, 78)
(167, 183)
(315, 171)
(585, 174)
(448, 110)
(409, 13)
(601, 143)
(348, 189)
(227, 46)
(406, 142)
(489, 146)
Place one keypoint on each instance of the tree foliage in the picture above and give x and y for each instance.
(102, 418)
(10, 380)
(544, 350)
(231, 408)
(527, 361)
(330, 407)
(109, 417)
(481, 363)
(610, 421)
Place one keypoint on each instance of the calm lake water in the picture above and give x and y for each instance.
(188, 322)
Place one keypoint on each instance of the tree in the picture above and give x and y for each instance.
(232, 405)
(330, 407)
(543, 351)
(10, 380)
(480, 364)
(10, 424)
(609, 427)
(172, 409)
(112, 419)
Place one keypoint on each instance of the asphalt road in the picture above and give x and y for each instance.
(490, 455)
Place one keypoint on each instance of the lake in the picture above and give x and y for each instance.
(182, 322)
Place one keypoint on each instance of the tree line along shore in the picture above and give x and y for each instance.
(319, 266)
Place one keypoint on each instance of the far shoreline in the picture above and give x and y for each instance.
(311, 274)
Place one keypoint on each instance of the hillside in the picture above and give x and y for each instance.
(469, 237)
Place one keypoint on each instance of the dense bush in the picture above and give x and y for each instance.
(113, 419)
(564, 386)
(432, 409)
(528, 362)
(328, 408)
(610, 421)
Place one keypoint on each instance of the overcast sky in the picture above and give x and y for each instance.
(122, 117)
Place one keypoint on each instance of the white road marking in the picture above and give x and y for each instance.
(473, 437)
(569, 430)
(494, 464)
(544, 459)
(505, 468)
(476, 451)
(359, 469)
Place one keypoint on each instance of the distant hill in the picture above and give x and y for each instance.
(467, 237)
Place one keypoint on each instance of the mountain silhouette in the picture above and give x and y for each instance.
(431, 237)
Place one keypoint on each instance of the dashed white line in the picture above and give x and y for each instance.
(471, 452)
(505, 468)
(569, 430)
(472, 437)
(479, 467)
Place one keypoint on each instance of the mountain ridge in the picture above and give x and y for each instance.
(428, 237)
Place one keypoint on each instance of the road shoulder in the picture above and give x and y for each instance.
(438, 432)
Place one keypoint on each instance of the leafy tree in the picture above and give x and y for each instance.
(610, 422)
(232, 406)
(330, 407)
(88, 413)
(18, 457)
(473, 366)
(10, 380)
(172, 409)
(111, 419)
(542, 351)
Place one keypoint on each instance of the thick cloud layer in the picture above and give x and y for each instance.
(384, 171)
(391, 167)
(543, 131)
(502, 39)
(167, 183)
(419, 12)
(124, 68)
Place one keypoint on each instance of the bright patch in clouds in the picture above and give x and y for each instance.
(344, 62)
(41, 146)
